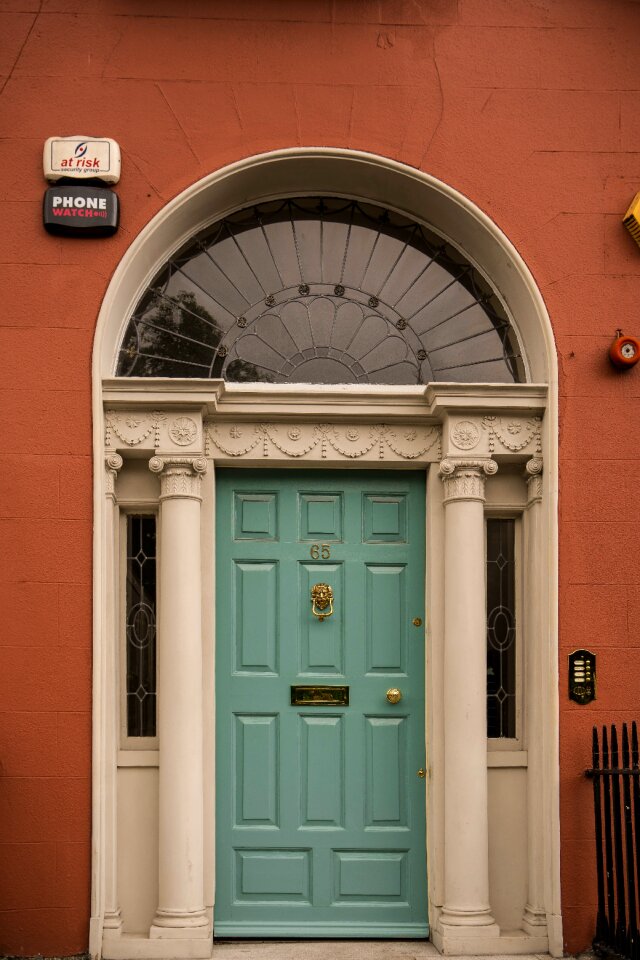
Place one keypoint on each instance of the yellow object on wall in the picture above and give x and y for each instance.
(632, 219)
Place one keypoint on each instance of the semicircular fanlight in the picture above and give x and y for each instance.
(320, 290)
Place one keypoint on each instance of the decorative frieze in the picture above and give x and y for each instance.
(513, 433)
(465, 435)
(504, 436)
(183, 431)
(179, 476)
(321, 441)
(465, 479)
(132, 429)
(151, 430)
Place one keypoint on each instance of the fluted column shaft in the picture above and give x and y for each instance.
(466, 911)
(181, 911)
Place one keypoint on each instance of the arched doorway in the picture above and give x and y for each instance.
(287, 407)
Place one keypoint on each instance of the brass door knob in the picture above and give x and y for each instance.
(422, 773)
(394, 695)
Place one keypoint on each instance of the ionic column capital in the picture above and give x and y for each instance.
(179, 476)
(533, 476)
(465, 479)
(112, 463)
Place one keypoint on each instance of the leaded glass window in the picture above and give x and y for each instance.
(141, 626)
(320, 290)
(501, 629)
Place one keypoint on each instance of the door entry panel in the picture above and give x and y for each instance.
(320, 811)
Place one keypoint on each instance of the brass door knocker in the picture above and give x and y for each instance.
(321, 598)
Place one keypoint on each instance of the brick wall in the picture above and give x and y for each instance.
(530, 107)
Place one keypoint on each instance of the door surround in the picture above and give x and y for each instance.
(461, 427)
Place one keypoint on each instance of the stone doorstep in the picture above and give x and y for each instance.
(337, 950)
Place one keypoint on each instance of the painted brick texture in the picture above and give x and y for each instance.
(529, 107)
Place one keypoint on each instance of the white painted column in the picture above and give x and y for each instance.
(112, 922)
(534, 919)
(466, 913)
(181, 912)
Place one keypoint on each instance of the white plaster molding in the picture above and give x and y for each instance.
(534, 918)
(183, 431)
(509, 435)
(380, 402)
(513, 433)
(322, 441)
(465, 479)
(180, 477)
(465, 435)
(112, 917)
(533, 475)
(135, 428)
(112, 462)
(132, 428)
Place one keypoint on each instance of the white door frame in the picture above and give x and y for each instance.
(452, 425)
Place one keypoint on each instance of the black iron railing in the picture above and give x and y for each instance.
(616, 798)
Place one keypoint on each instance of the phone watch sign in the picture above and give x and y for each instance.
(87, 210)
(81, 203)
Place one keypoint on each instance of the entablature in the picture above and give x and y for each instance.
(235, 422)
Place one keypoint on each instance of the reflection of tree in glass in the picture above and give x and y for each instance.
(239, 371)
(178, 328)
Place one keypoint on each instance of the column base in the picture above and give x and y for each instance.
(509, 943)
(112, 924)
(465, 932)
(534, 921)
(480, 920)
(180, 925)
(131, 947)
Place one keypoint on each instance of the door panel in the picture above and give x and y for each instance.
(322, 771)
(255, 588)
(255, 774)
(320, 814)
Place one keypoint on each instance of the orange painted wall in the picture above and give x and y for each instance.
(530, 107)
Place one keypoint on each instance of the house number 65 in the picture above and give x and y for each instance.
(320, 551)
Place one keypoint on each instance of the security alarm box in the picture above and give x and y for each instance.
(81, 158)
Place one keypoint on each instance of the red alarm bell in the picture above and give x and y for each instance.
(624, 352)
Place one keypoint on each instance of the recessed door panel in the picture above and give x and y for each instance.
(385, 777)
(321, 516)
(385, 518)
(273, 875)
(321, 642)
(322, 771)
(368, 876)
(255, 589)
(255, 779)
(320, 814)
(256, 516)
(387, 624)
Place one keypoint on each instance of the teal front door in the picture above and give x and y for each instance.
(320, 807)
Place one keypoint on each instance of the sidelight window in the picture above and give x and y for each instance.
(502, 666)
(140, 626)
